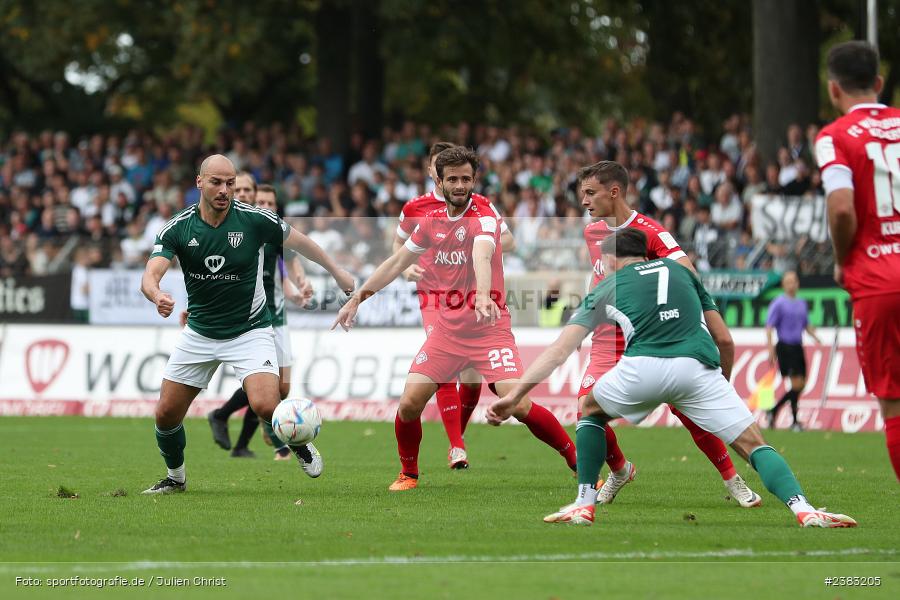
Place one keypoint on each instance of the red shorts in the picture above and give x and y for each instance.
(597, 368)
(877, 322)
(443, 356)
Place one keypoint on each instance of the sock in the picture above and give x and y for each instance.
(710, 445)
(799, 504)
(448, 404)
(409, 436)
(276, 441)
(468, 400)
(237, 401)
(614, 457)
(591, 456)
(251, 422)
(171, 445)
(544, 426)
(176, 474)
(775, 473)
(892, 437)
(795, 397)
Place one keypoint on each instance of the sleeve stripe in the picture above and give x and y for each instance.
(677, 254)
(247, 208)
(401, 233)
(503, 227)
(485, 238)
(837, 177)
(413, 247)
(171, 223)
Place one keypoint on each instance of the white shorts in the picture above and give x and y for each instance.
(638, 384)
(197, 357)
(283, 346)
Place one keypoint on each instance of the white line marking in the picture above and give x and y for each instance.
(26, 567)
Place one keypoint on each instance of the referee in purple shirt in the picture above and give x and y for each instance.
(788, 316)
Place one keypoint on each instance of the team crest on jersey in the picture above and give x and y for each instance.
(235, 238)
(588, 381)
(214, 263)
(421, 357)
(461, 233)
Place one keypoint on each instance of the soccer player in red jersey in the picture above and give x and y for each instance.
(455, 405)
(603, 188)
(464, 236)
(859, 155)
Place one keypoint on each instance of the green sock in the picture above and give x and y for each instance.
(775, 473)
(276, 441)
(590, 444)
(171, 445)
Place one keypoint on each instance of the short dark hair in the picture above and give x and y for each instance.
(437, 148)
(456, 156)
(627, 242)
(606, 172)
(854, 66)
(265, 187)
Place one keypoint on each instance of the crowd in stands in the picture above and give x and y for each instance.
(107, 195)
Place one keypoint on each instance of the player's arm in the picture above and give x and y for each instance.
(485, 308)
(842, 222)
(389, 270)
(153, 274)
(507, 241)
(302, 244)
(413, 272)
(551, 358)
(296, 287)
(722, 338)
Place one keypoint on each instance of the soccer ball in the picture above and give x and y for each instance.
(296, 421)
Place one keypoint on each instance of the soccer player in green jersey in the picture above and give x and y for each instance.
(666, 317)
(219, 244)
(278, 277)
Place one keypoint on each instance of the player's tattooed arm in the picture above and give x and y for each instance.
(301, 243)
(722, 337)
(555, 355)
(507, 241)
(383, 275)
(153, 274)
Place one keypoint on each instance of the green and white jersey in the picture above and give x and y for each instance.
(659, 306)
(273, 282)
(223, 266)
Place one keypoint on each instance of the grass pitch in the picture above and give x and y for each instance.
(462, 534)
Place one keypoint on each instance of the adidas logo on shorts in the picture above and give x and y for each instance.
(268, 363)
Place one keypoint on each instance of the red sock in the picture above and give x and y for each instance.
(544, 426)
(448, 404)
(710, 445)
(468, 399)
(892, 433)
(614, 457)
(409, 436)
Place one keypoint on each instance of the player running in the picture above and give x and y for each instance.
(463, 236)
(277, 286)
(669, 323)
(859, 155)
(603, 188)
(455, 405)
(219, 244)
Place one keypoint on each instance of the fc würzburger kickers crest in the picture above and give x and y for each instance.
(461, 233)
(235, 238)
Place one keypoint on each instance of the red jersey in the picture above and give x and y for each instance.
(450, 241)
(412, 214)
(866, 142)
(660, 244)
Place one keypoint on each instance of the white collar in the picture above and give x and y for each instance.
(460, 215)
(437, 195)
(865, 105)
(625, 224)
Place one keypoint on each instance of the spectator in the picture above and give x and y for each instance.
(366, 169)
(727, 210)
(705, 235)
(713, 174)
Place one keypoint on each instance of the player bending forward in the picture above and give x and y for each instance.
(666, 317)
(219, 243)
(465, 238)
(602, 186)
